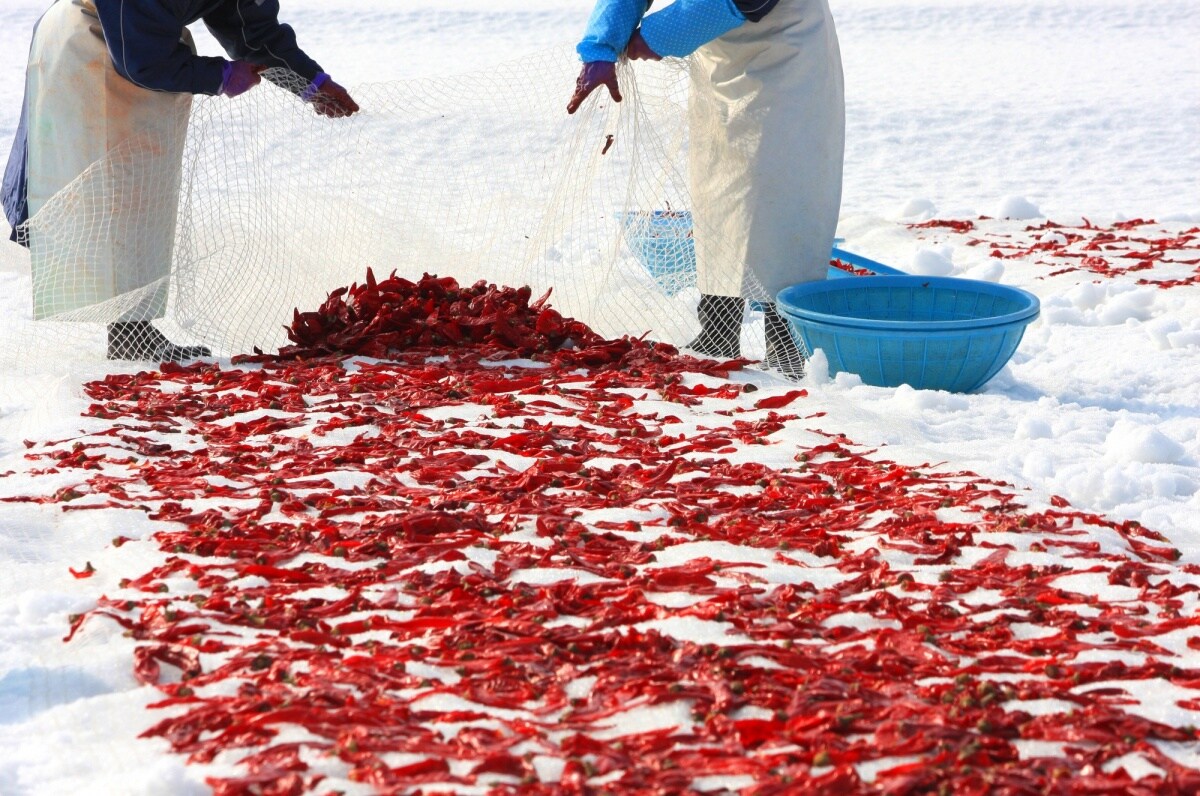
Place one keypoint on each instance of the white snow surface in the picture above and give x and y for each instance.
(1028, 109)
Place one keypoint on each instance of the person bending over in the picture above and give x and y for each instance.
(767, 137)
(109, 76)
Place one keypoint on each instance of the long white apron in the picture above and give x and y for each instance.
(767, 129)
(104, 171)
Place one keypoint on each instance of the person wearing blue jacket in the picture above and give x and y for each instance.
(766, 117)
(110, 82)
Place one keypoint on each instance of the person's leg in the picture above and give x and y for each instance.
(720, 326)
(14, 187)
(782, 352)
(141, 341)
(13, 191)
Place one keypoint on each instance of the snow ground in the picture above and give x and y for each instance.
(955, 108)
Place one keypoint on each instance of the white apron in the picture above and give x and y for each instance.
(767, 130)
(117, 149)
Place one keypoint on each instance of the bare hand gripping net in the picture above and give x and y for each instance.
(479, 177)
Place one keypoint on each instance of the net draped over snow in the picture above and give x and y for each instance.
(482, 176)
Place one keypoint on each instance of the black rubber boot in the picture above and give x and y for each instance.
(720, 326)
(140, 341)
(782, 352)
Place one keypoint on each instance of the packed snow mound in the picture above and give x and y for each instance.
(1096, 304)
(1134, 442)
(990, 271)
(933, 261)
(1170, 333)
(1018, 208)
(920, 209)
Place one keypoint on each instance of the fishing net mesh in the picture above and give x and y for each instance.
(265, 206)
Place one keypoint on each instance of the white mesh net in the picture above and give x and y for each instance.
(481, 176)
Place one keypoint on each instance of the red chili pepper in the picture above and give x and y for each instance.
(780, 401)
(958, 226)
(147, 658)
(415, 589)
(86, 572)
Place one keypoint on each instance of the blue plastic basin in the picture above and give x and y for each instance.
(933, 333)
(662, 242)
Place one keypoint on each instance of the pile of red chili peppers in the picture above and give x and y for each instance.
(535, 561)
(377, 318)
(1125, 247)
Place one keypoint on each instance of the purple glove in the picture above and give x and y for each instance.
(329, 98)
(239, 77)
(594, 75)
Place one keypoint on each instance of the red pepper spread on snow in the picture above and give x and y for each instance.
(506, 553)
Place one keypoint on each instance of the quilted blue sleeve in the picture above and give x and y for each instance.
(143, 38)
(609, 28)
(684, 26)
(251, 31)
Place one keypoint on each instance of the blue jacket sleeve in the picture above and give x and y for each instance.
(686, 25)
(251, 31)
(143, 39)
(609, 28)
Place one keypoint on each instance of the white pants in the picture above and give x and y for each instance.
(767, 128)
(104, 172)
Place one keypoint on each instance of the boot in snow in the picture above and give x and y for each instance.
(782, 352)
(139, 340)
(720, 326)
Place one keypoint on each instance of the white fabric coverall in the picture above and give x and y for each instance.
(81, 112)
(767, 138)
